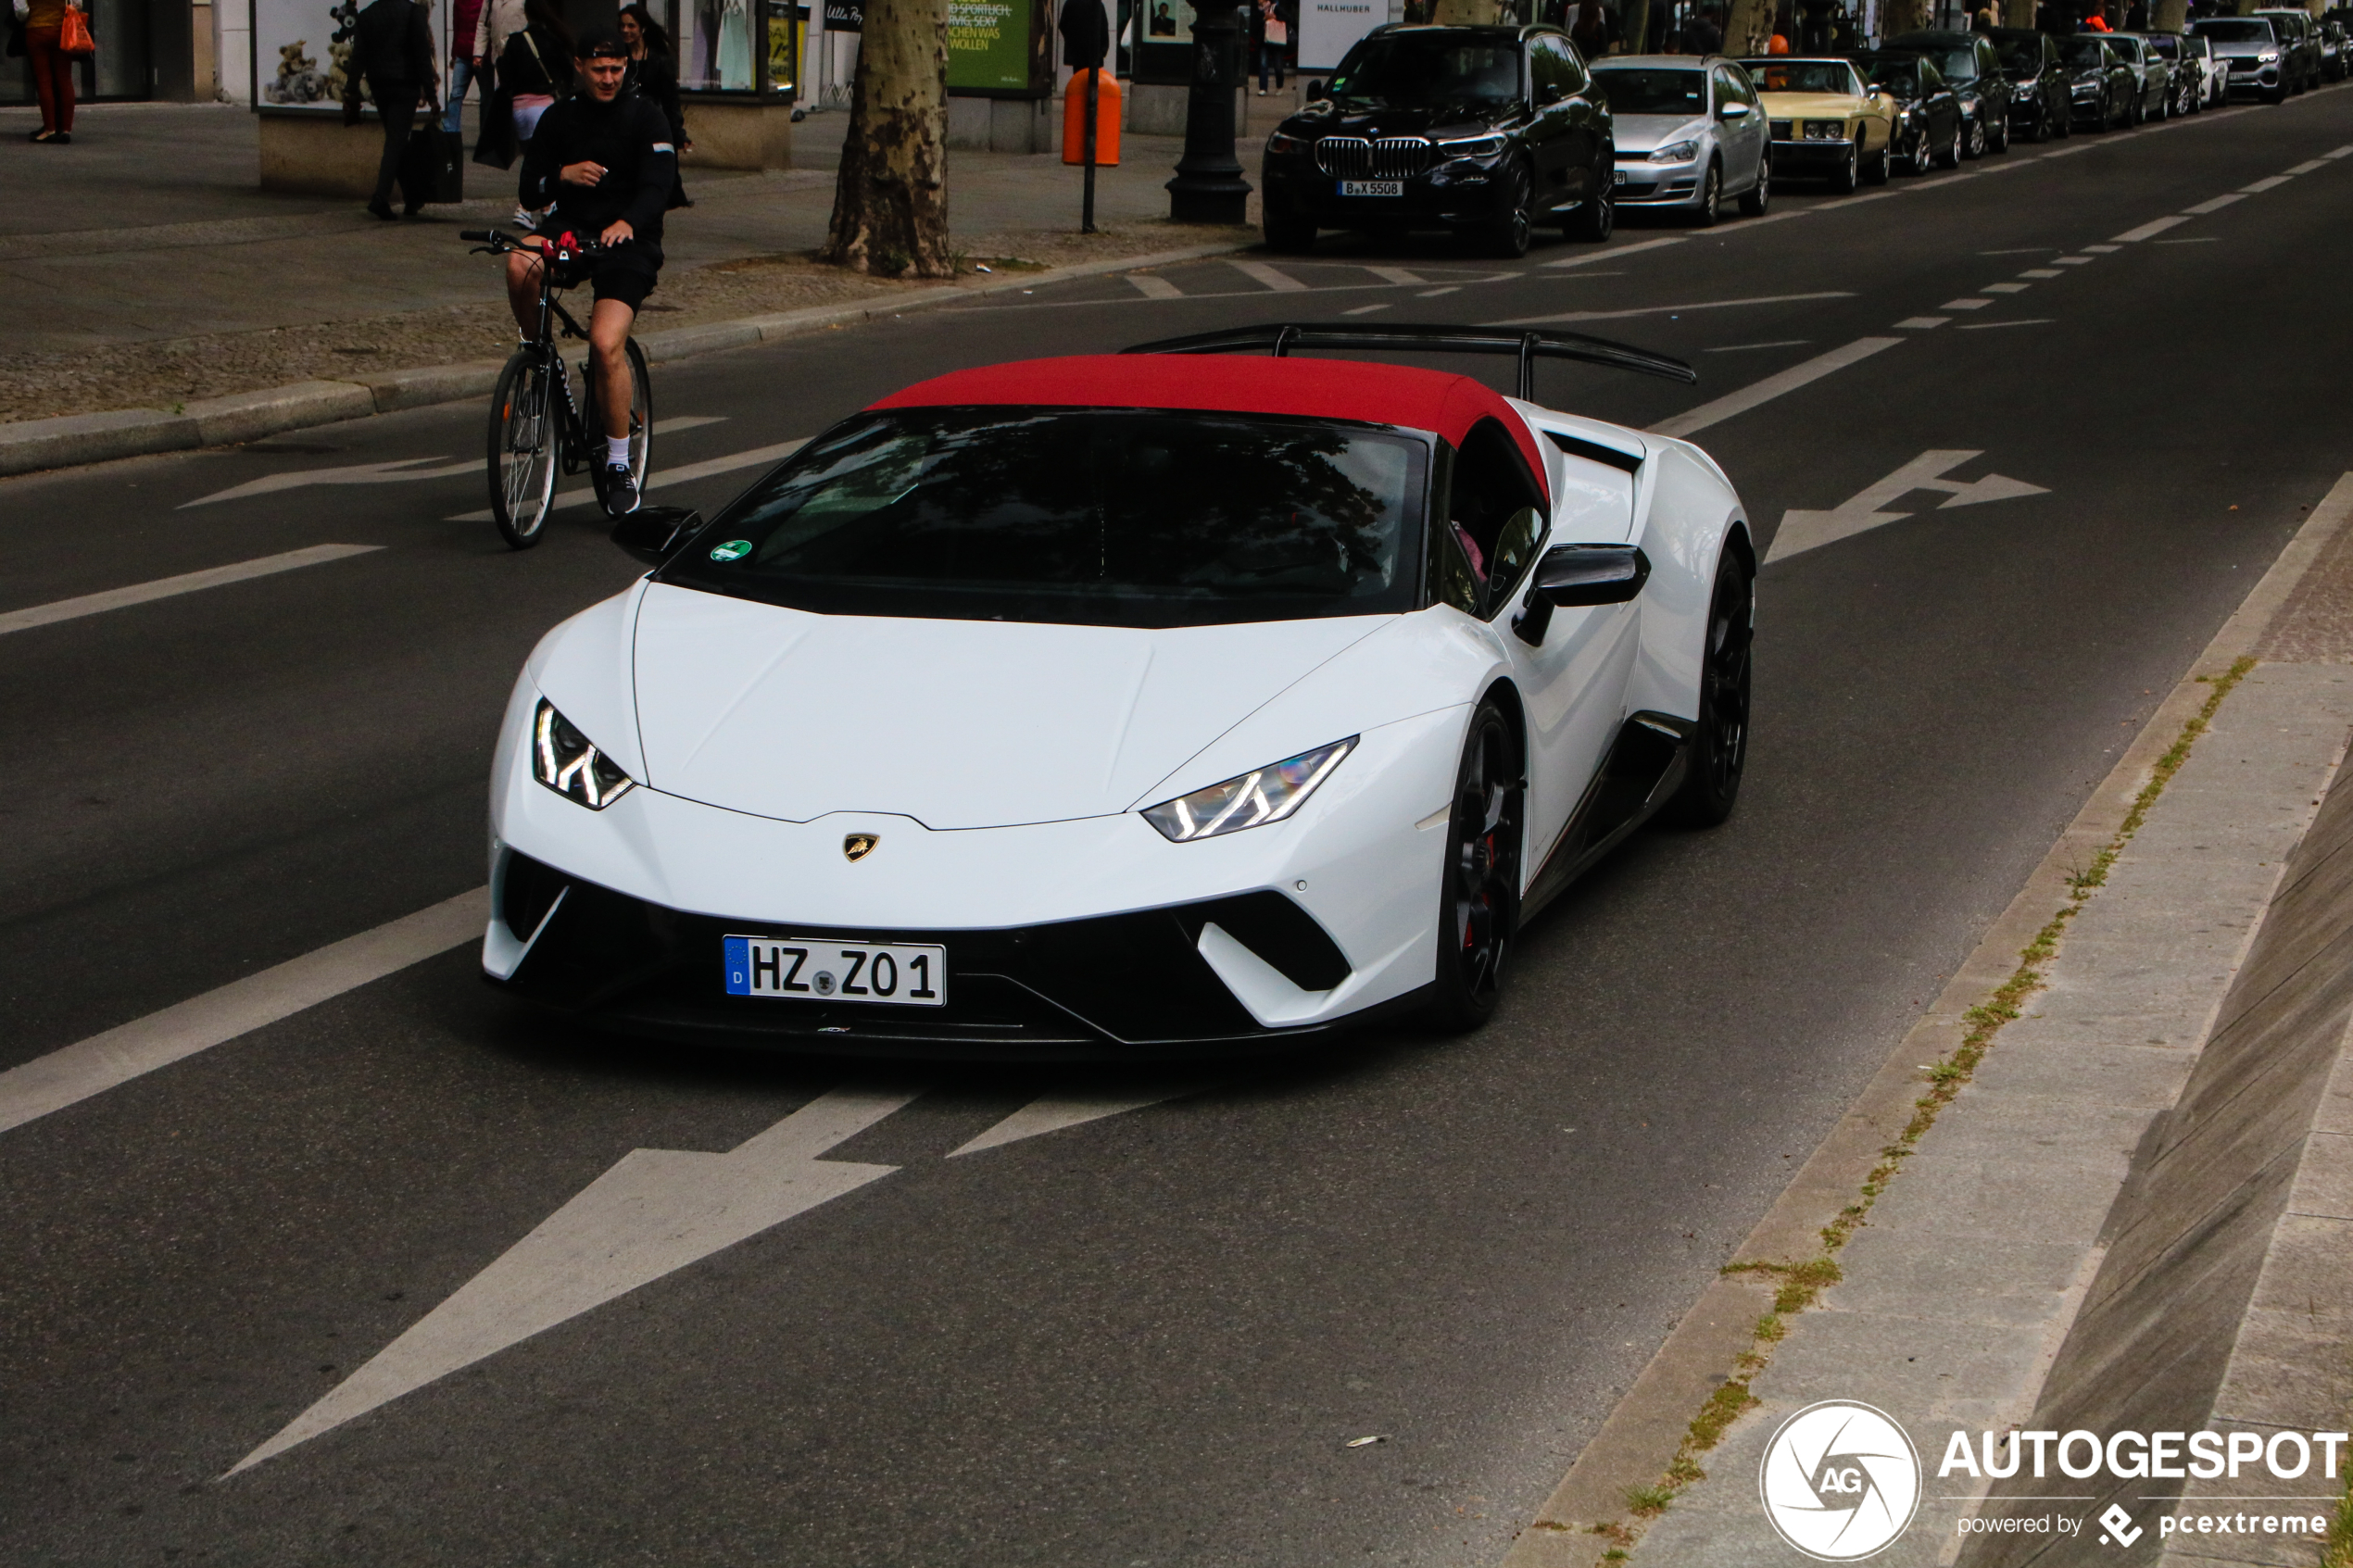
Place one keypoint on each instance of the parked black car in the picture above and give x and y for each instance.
(2038, 82)
(1483, 130)
(2189, 72)
(2336, 50)
(2101, 88)
(2251, 48)
(1972, 63)
(2150, 73)
(1929, 112)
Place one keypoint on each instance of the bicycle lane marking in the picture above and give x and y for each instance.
(170, 587)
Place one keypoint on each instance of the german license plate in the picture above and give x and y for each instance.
(1372, 187)
(804, 969)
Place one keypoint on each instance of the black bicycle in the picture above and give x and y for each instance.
(537, 425)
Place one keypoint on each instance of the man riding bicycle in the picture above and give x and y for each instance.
(605, 159)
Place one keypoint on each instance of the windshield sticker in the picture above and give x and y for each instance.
(734, 549)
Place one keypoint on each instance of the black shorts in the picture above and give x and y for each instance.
(624, 275)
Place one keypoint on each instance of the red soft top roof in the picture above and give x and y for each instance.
(1334, 389)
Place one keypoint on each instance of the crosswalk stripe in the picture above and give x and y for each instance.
(1155, 288)
(170, 587)
(1281, 282)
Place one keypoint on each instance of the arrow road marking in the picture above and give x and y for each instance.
(656, 1211)
(759, 456)
(394, 471)
(1807, 530)
(1052, 1113)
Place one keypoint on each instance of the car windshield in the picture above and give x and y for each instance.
(1429, 70)
(1643, 91)
(1958, 65)
(1895, 72)
(2235, 30)
(2126, 48)
(2082, 53)
(2167, 47)
(2023, 59)
(1079, 517)
(1802, 76)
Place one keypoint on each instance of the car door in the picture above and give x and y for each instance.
(1551, 76)
(1741, 130)
(1993, 87)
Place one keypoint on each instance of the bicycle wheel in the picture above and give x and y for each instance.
(524, 449)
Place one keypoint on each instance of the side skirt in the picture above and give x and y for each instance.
(1643, 770)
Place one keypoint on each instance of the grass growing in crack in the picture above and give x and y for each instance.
(1799, 1284)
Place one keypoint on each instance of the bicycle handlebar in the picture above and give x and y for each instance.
(499, 243)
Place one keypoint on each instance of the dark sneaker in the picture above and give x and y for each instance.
(617, 488)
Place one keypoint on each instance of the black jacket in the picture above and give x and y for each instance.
(630, 138)
(534, 61)
(655, 77)
(392, 47)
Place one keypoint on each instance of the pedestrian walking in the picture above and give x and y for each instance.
(465, 62)
(1593, 31)
(533, 72)
(1271, 21)
(1701, 35)
(651, 73)
(392, 50)
(44, 21)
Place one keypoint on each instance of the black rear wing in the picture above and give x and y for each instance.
(1413, 337)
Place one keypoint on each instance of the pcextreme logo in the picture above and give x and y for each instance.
(1839, 1481)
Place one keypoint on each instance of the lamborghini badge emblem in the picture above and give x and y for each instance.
(858, 846)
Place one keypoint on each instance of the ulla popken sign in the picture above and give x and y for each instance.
(845, 15)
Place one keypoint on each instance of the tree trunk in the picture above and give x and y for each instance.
(1902, 16)
(1634, 26)
(890, 202)
(1748, 27)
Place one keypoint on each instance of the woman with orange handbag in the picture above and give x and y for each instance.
(45, 24)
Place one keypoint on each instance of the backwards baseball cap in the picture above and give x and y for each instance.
(600, 43)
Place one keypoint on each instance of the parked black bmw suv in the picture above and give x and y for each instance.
(1483, 130)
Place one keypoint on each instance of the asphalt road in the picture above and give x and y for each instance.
(1151, 1337)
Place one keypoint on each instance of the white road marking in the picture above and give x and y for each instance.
(1363, 310)
(2312, 166)
(1155, 288)
(2102, 250)
(2148, 231)
(1772, 386)
(1611, 253)
(1670, 309)
(1396, 275)
(103, 1062)
(2217, 205)
(2006, 288)
(2070, 152)
(2335, 153)
(1745, 348)
(1433, 294)
(1990, 326)
(1923, 322)
(2020, 250)
(757, 457)
(1964, 305)
(2271, 183)
(1803, 530)
(1052, 1113)
(2041, 272)
(654, 1212)
(2201, 240)
(1281, 282)
(398, 470)
(170, 587)
(2075, 261)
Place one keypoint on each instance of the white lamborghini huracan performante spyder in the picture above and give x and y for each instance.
(1124, 705)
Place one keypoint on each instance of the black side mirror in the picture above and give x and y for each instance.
(1571, 576)
(653, 533)
(1314, 89)
(1550, 94)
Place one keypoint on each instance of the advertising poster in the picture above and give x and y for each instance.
(786, 23)
(1169, 21)
(301, 50)
(989, 44)
(1328, 29)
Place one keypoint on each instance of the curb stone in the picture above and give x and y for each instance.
(71, 440)
(1583, 1517)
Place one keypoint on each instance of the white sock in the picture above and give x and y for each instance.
(617, 450)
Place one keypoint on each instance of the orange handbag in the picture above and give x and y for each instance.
(74, 39)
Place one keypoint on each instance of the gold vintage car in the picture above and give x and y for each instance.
(1825, 122)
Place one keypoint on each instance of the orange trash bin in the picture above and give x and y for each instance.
(1106, 118)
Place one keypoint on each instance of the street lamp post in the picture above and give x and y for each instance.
(1209, 187)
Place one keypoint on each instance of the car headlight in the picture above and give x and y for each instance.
(1675, 152)
(1278, 143)
(1265, 795)
(1826, 130)
(569, 763)
(1471, 146)
(2269, 56)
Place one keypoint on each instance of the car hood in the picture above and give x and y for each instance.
(1641, 132)
(957, 724)
(1387, 119)
(1810, 105)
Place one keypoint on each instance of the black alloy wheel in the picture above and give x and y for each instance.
(1478, 907)
(1916, 162)
(1974, 143)
(1876, 170)
(1596, 217)
(1951, 156)
(1508, 235)
(1719, 745)
(1758, 197)
(1998, 139)
(1711, 196)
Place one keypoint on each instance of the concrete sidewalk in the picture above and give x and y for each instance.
(2135, 1214)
